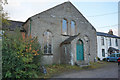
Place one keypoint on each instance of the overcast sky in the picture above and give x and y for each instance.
(102, 14)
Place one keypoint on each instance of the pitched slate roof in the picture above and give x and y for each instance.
(12, 25)
(107, 35)
(68, 40)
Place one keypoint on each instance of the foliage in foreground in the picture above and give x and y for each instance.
(21, 57)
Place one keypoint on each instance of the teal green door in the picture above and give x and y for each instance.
(80, 51)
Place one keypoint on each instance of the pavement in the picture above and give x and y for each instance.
(111, 70)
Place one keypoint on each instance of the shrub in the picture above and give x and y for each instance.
(21, 57)
(104, 59)
(98, 58)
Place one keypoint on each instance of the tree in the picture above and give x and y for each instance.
(21, 57)
(3, 14)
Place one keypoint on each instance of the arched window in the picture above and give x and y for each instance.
(64, 27)
(47, 42)
(72, 28)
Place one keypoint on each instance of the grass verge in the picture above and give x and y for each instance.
(60, 68)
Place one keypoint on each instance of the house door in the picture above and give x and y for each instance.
(80, 51)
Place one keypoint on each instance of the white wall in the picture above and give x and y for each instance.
(119, 45)
(105, 46)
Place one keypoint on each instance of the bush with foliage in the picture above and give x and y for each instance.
(98, 58)
(21, 57)
(104, 59)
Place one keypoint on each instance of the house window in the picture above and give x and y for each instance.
(64, 27)
(110, 42)
(112, 55)
(102, 40)
(72, 28)
(103, 52)
(47, 42)
(116, 42)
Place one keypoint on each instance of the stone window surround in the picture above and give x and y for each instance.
(68, 32)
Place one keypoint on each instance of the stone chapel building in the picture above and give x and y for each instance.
(65, 35)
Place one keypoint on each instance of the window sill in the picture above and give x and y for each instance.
(47, 54)
(64, 35)
(67, 35)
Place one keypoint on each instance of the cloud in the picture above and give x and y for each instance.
(95, 0)
(47, 1)
(44, 1)
(13, 3)
(21, 10)
(115, 31)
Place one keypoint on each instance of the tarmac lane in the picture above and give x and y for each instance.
(119, 72)
(111, 70)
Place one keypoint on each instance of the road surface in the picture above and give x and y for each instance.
(108, 71)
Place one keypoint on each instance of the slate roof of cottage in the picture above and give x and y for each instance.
(112, 49)
(12, 25)
(107, 35)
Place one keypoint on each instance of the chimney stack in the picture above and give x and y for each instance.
(110, 32)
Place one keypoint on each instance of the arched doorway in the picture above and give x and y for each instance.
(79, 50)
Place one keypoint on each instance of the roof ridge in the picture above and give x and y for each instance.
(50, 8)
(106, 34)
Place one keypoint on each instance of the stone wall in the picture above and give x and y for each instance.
(52, 20)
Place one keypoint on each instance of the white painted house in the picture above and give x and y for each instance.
(107, 44)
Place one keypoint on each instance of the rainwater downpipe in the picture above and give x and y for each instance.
(89, 53)
(30, 25)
